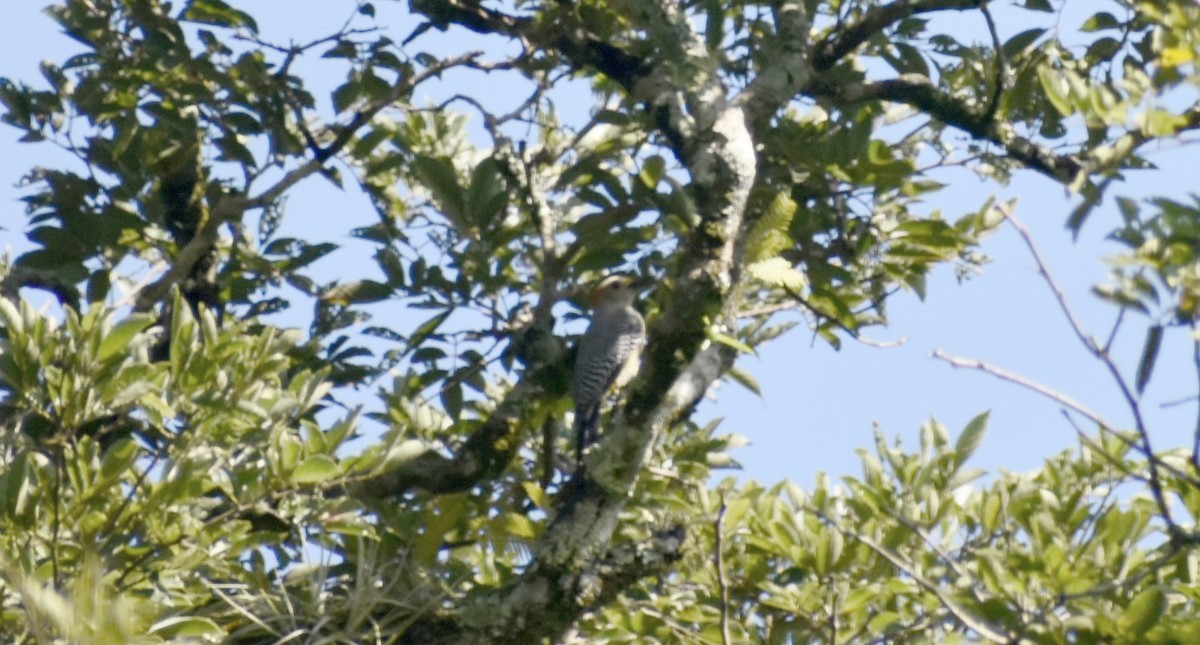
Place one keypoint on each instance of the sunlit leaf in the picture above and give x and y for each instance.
(315, 469)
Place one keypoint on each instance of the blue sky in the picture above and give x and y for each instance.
(818, 404)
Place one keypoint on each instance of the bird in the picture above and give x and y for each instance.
(608, 356)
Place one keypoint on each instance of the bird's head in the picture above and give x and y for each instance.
(614, 290)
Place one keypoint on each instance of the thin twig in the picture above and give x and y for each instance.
(1001, 66)
(833, 611)
(1066, 401)
(976, 623)
(1027, 383)
(1043, 268)
(1177, 402)
(1118, 585)
(719, 561)
(1196, 432)
(1088, 441)
(951, 562)
(1112, 335)
(767, 310)
(1131, 401)
(230, 207)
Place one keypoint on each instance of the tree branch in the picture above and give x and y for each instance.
(842, 42)
(711, 138)
(978, 624)
(779, 81)
(1152, 460)
(230, 207)
(920, 92)
(1066, 401)
(482, 457)
(719, 564)
(1029, 384)
(989, 114)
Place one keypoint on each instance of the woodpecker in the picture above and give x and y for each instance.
(608, 356)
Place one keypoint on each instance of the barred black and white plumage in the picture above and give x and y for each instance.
(608, 355)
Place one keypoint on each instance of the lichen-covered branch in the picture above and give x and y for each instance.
(709, 134)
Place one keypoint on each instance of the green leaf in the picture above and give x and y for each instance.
(970, 438)
(652, 171)
(289, 448)
(118, 458)
(1119, 297)
(601, 223)
(721, 461)
(730, 341)
(343, 49)
(1103, 50)
(118, 338)
(991, 512)
(910, 60)
(359, 292)
(19, 485)
(1022, 41)
(440, 177)
(770, 234)
(216, 12)
(486, 196)
(315, 469)
(881, 622)
(233, 150)
(186, 627)
(745, 379)
(452, 398)
(518, 525)
(11, 319)
(1055, 88)
(427, 328)
(346, 95)
(778, 272)
(1150, 349)
(1160, 123)
(1100, 21)
(1143, 612)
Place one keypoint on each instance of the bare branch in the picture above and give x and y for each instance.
(1131, 400)
(1089, 342)
(1029, 384)
(1067, 402)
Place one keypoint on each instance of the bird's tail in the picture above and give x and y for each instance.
(587, 429)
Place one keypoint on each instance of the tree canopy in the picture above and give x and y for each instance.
(182, 459)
